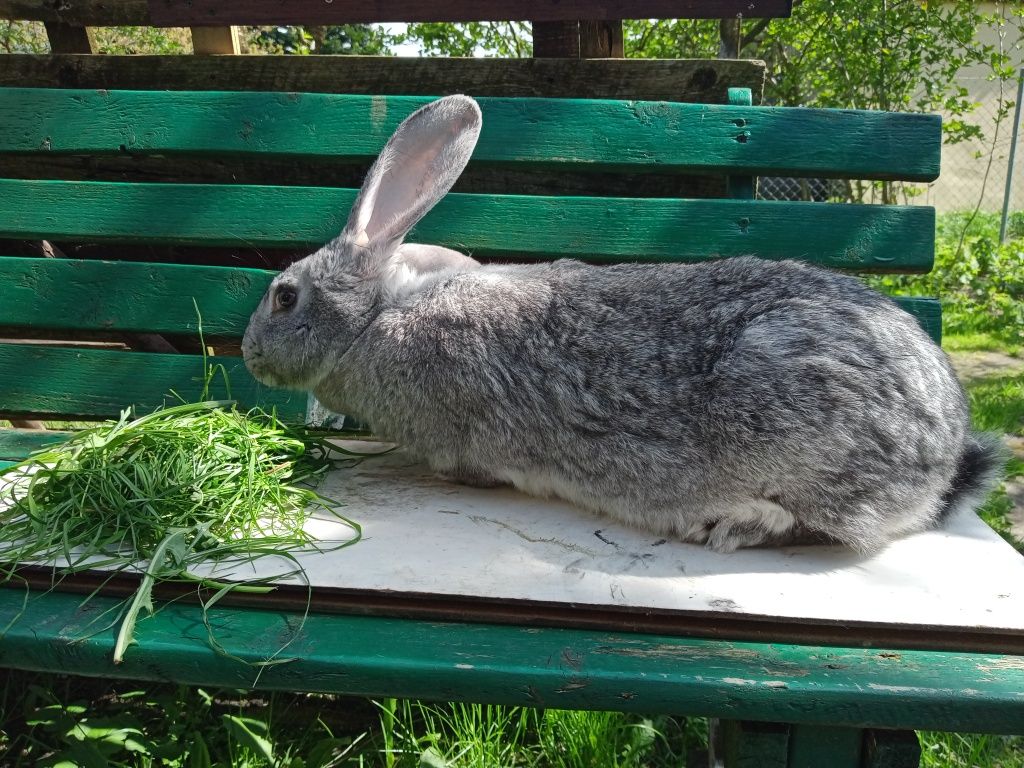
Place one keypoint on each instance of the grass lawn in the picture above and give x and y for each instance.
(997, 405)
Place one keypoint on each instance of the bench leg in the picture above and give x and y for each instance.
(823, 746)
(891, 749)
(746, 744)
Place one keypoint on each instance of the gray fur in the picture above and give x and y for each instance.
(732, 403)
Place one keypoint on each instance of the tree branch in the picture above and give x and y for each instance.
(757, 29)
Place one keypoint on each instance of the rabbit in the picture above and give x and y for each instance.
(731, 403)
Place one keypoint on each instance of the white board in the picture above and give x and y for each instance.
(423, 536)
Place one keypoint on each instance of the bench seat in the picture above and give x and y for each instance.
(106, 320)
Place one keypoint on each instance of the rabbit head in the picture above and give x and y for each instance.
(316, 308)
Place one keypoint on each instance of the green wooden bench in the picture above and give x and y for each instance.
(779, 704)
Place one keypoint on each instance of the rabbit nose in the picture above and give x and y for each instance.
(250, 348)
(249, 339)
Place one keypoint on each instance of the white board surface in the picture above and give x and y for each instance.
(423, 536)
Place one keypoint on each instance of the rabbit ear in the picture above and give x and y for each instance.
(433, 258)
(416, 168)
(414, 267)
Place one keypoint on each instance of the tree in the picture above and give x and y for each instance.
(507, 39)
(358, 39)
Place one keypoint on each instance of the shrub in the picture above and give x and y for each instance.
(980, 282)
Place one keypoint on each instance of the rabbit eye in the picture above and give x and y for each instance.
(284, 298)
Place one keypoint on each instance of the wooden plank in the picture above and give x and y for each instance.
(49, 381)
(567, 133)
(174, 13)
(497, 556)
(556, 39)
(860, 237)
(157, 298)
(110, 295)
(601, 39)
(742, 187)
(137, 12)
(570, 669)
(927, 312)
(69, 38)
(98, 13)
(690, 80)
(219, 40)
(30, 424)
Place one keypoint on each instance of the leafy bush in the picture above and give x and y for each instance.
(980, 282)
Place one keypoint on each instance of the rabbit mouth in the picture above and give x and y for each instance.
(265, 374)
(258, 368)
(261, 374)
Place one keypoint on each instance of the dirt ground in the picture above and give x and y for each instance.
(983, 365)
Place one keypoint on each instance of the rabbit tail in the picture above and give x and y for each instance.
(979, 471)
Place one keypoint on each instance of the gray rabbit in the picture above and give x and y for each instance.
(733, 403)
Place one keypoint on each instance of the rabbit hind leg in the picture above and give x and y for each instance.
(749, 524)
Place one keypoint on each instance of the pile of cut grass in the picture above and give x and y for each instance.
(198, 484)
(234, 483)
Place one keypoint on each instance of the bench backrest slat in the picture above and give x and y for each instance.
(98, 383)
(886, 238)
(701, 81)
(158, 298)
(657, 137)
(128, 296)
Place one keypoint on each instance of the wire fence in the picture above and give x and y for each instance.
(983, 173)
(975, 172)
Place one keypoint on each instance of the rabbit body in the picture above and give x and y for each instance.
(732, 403)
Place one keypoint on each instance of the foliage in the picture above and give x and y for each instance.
(873, 54)
(997, 404)
(23, 37)
(135, 40)
(979, 341)
(980, 282)
(996, 514)
(414, 733)
(852, 54)
(356, 39)
(508, 39)
(47, 719)
(362, 39)
(964, 750)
